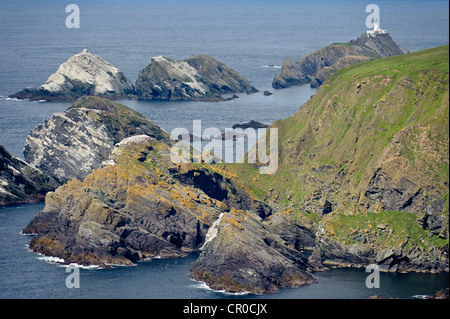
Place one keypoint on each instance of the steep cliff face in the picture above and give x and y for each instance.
(242, 254)
(317, 66)
(20, 182)
(374, 139)
(71, 144)
(197, 78)
(83, 74)
(128, 210)
(138, 205)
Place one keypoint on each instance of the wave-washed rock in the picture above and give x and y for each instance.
(197, 78)
(242, 254)
(317, 66)
(83, 74)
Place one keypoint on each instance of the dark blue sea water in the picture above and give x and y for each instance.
(251, 36)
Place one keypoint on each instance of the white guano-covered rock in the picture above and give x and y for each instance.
(89, 72)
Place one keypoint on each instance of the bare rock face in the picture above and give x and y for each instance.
(197, 78)
(317, 66)
(70, 144)
(137, 205)
(242, 254)
(20, 182)
(83, 74)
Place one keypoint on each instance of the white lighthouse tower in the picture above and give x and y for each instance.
(376, 25)
(376, 28)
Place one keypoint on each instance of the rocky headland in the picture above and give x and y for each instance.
(197, 78)
(243, 254)
(82, 74)
(366, 161)
(317, 66)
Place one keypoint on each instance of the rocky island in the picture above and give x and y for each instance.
(197, 78)
(317, 66)
(83, 74)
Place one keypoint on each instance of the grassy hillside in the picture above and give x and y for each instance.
(388, 116)
(370, 149)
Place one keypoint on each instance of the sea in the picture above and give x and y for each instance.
(253, 37)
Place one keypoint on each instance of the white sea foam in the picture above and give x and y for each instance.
(51, 259)
(271, 66)
(202, 285)
(75, 265)
(10, 99)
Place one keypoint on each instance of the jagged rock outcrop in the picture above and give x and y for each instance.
(70, 144)
(20, 182)
(138, 205)
(317, 66)
(83, 74)
(243, 255)
(197, 78)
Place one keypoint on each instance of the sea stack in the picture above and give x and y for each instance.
(197, 78)
(83, 74)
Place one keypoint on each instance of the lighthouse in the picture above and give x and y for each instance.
(376, 25)
(376, 28)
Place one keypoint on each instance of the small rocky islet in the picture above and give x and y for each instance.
(200, 78)
(131, 202)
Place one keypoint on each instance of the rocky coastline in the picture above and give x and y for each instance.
(358, 183)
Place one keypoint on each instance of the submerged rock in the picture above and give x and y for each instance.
(252, 124)
(197, 78)
(317, 66)
(20, 182)
(83, 74)
(70, 144)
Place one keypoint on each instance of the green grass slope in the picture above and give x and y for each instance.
(374, 137)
